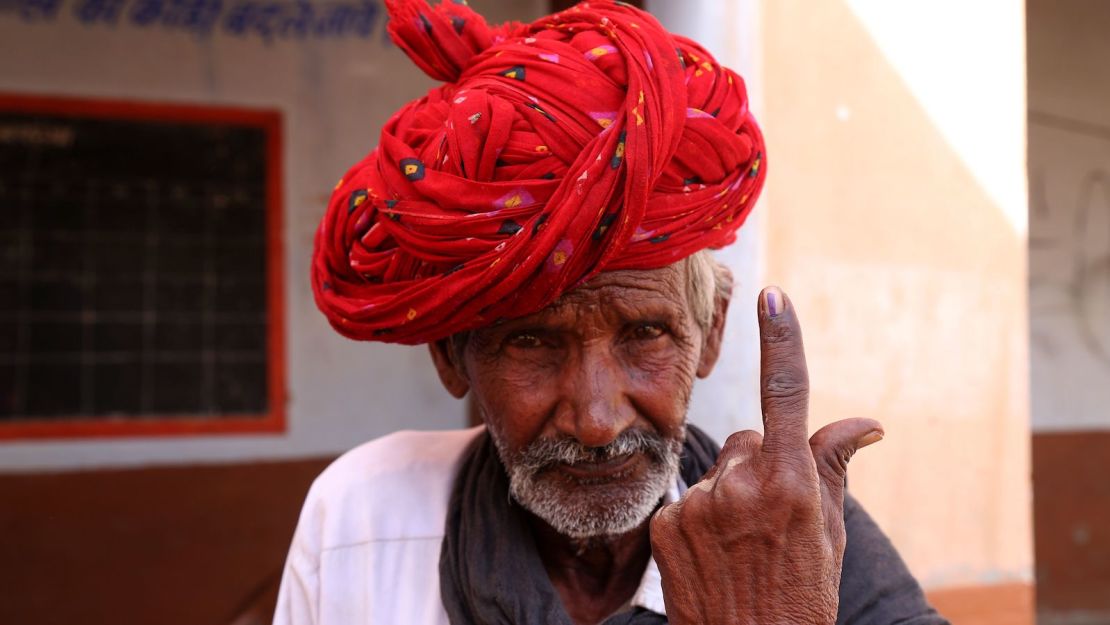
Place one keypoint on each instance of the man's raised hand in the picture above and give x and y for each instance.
(760, 539)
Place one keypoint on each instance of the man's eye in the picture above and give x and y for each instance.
(524, 340)
(648, 331)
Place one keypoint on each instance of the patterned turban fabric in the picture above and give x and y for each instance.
(590, 140)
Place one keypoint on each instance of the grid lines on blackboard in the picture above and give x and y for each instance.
(133, 282)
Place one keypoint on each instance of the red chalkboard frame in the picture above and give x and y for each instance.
(273, 420)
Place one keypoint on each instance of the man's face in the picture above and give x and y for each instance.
(586, 400)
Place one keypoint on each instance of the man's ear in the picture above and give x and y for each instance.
(449, 370)
(711, 346)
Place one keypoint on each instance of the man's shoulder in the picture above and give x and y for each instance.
(417, 454)
(392, 488)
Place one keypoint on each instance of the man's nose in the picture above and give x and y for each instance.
(596, 407)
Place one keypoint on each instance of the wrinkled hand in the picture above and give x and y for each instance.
(760, 539)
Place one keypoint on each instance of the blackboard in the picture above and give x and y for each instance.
(140, 274)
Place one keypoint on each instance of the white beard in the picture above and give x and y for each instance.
(581, 508)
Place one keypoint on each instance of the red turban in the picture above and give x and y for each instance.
(588, 141)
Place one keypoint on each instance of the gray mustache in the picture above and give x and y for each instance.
(546, 452)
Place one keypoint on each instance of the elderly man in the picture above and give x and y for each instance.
(540, 222)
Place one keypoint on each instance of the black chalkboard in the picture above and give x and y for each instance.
(134, 267)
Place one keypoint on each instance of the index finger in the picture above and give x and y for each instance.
(784, 379)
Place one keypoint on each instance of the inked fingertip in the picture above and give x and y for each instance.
(773, 301)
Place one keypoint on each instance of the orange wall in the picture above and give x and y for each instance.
(908, 273)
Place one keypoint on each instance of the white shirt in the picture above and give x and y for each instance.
(367, 544)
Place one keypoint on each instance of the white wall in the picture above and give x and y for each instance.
(335, 94)
(1069, 229)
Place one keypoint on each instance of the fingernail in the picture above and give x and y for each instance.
(872, 437)
(772, 298)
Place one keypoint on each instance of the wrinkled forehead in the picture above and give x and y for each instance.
(667, 283)
(659, 294)
(616, 295)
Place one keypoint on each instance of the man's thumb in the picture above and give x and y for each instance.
(835, 444)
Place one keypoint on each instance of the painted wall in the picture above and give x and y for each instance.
(895, 217)
(1069, 229)
(1069, 291)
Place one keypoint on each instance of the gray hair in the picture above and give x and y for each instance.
(707, 283)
